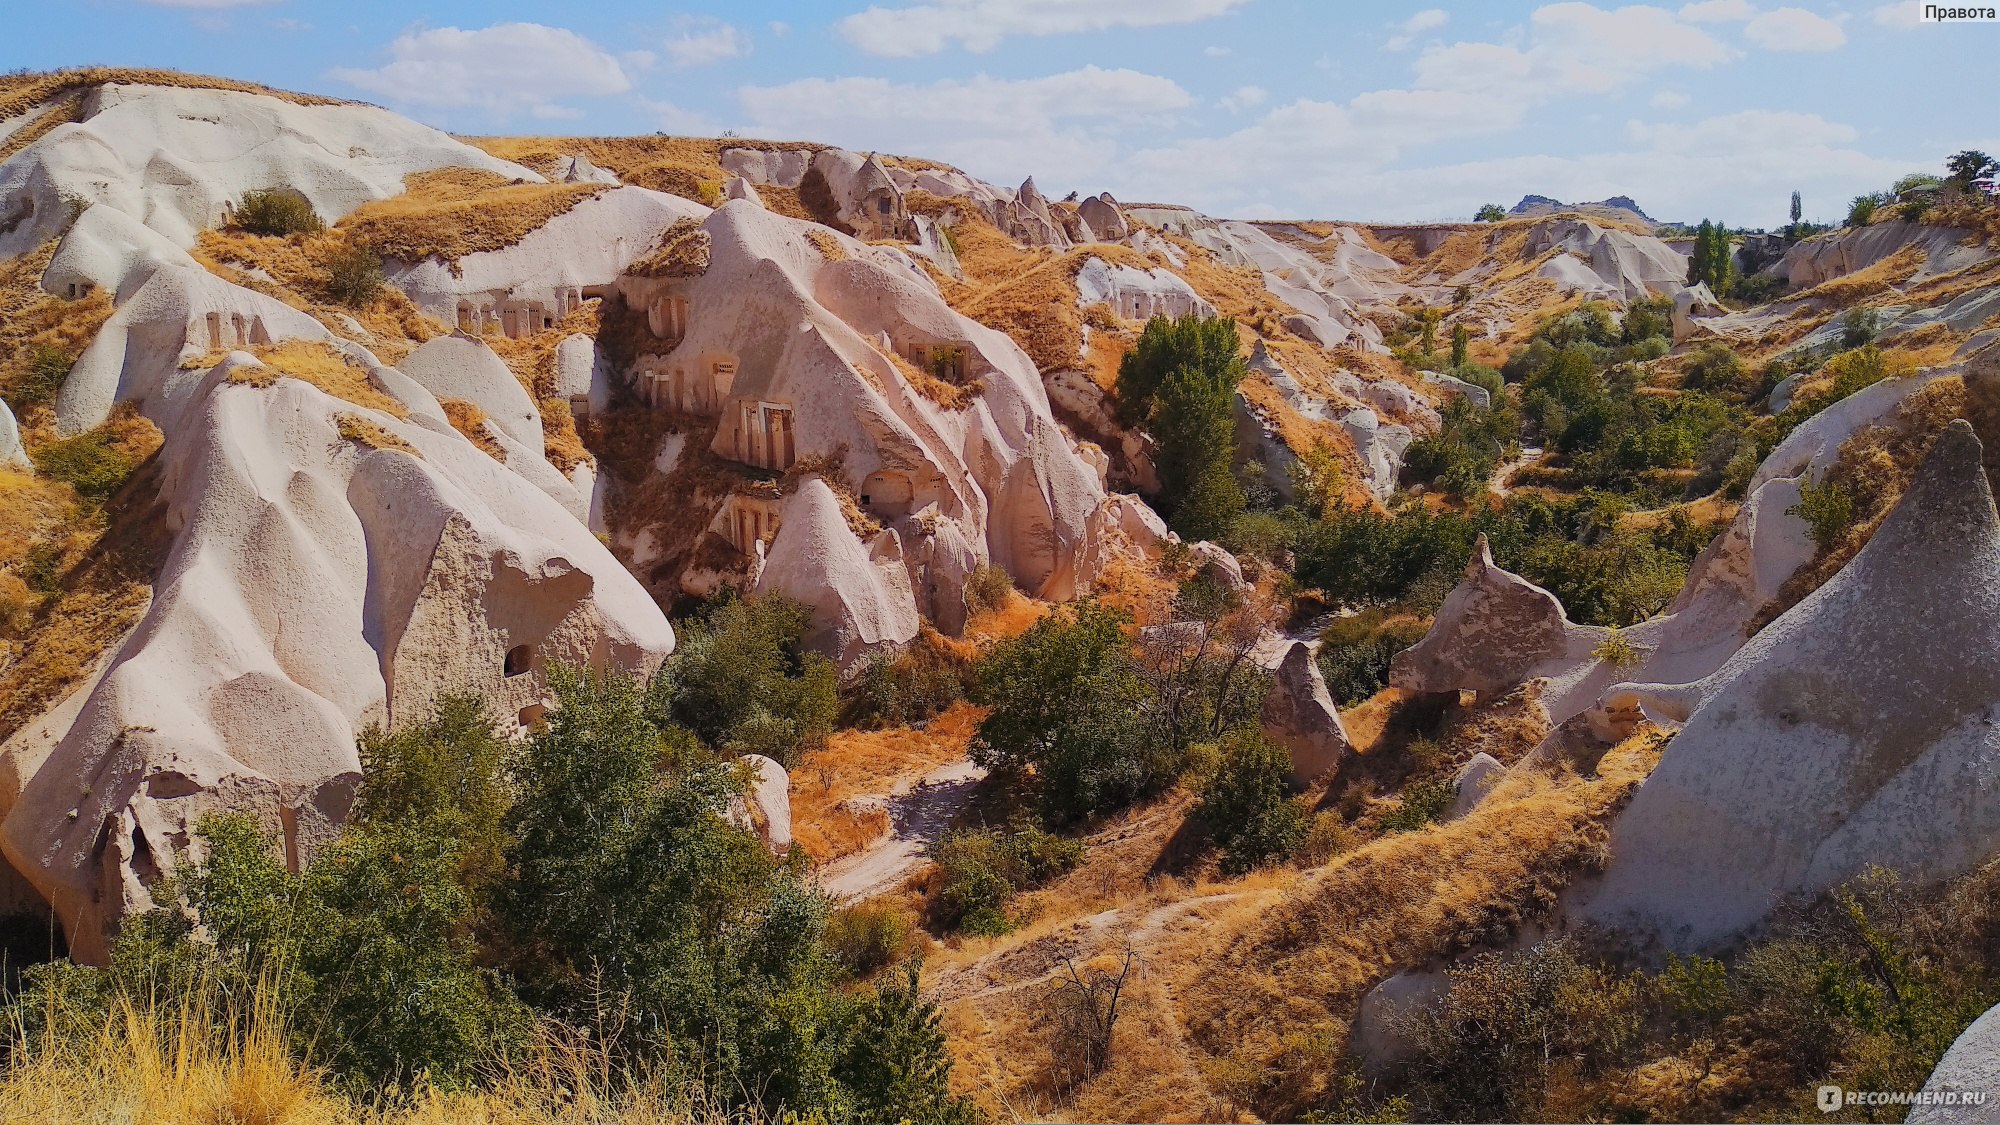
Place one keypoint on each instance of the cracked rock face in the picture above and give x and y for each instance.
(1861, 728)
(1299, 714)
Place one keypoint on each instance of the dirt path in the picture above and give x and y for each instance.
(919, 815)
(1504, 475)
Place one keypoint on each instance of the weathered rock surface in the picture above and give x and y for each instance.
(1299, 714)
(1858, 729)
(766, 808)
(1971, 1066)
(11, 453)
(461, 367)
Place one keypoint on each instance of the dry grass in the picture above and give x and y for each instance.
(67, 108)
(451, 212)
(363, 431)
(682, 252)
(469, 420)
(829, 247)
(295, 270)
(690, 167)
(827, 820)
(177, 1062)
(318, 363)
(532, 359)
(31, 320)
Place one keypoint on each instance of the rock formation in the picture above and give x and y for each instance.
(1971, 1066)
(11, 454)
(1855, 730)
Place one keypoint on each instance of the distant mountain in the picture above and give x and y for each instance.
(1618, 206)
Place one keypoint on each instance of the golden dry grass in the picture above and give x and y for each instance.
(364, 431)
(31, 321)
(863, 764)
(532, 359)
(65, 109)
(690, 167)
(295, 270)
(682, 252)
(318, 363)
(828, 246)
(469, 420)
(451, 212)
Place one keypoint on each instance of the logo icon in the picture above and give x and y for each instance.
(1829, 1099)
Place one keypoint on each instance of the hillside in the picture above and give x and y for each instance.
(714, 626)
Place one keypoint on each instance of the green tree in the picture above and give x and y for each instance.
(1180, 380)
(1798, 209)
(1972, 170)
(1461, 345)
(1067, 698)
(1489, 213)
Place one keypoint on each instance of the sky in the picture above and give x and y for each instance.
(1334, 109)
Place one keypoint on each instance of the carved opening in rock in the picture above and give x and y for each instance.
(215, 332)
(518, 659)
(888, 493)
(532, 716)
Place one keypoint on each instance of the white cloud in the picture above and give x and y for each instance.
(701, 41)
(503, 69)
(1430, 19)
(1718, 11)
(1245, 97)
(1062, 124)
(1904, 14)
(780, 28)
(1794, 29)
(1216, 51)
(1668, 99)
(981, 25)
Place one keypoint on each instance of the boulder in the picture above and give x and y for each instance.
(1299, 714)
(579, 170)
(1475, 779)
(1858, 729)
(1377, 1038)
(766, 806)
(1494, 631)
(1218, 565)
(1136, 294)
(1971, 1066)
(860, 593)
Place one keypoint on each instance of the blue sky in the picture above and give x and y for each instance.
(1248, 108)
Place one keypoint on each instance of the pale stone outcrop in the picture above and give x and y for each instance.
(103, 249)
(169, 311)
(1136, 294)
(579, 170)
(1858, 729)
(1850, 249)
(12, 455)
(532, 285)
(461, 367)
(1474, 780)
(316, 584)
(1380, 446)
(1104, 218)
(860, 593)
(580, 376)
(178, 159)
(1299, 714)
(1620, 264)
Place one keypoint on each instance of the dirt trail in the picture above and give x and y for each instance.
(919, 815)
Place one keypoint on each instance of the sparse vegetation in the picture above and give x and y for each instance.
(354, 275)
(1180, 381)
(275, 213)
(742, 679)
(1246, 804)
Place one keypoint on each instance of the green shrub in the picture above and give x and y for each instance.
(1862, 210)
(1828, 509)
(91, 462)
(277, 213)
(1716, 369)
(354, 276)
(868, 936)
(1489, 213)
(1355, 654)
(896, 1066)
(906, 686)
(987, 588)
(1651, 318)
(1065, 698)
(980, 870)
(48, 367)
(1246, 805)
(1423, 802)
(1860, 327)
